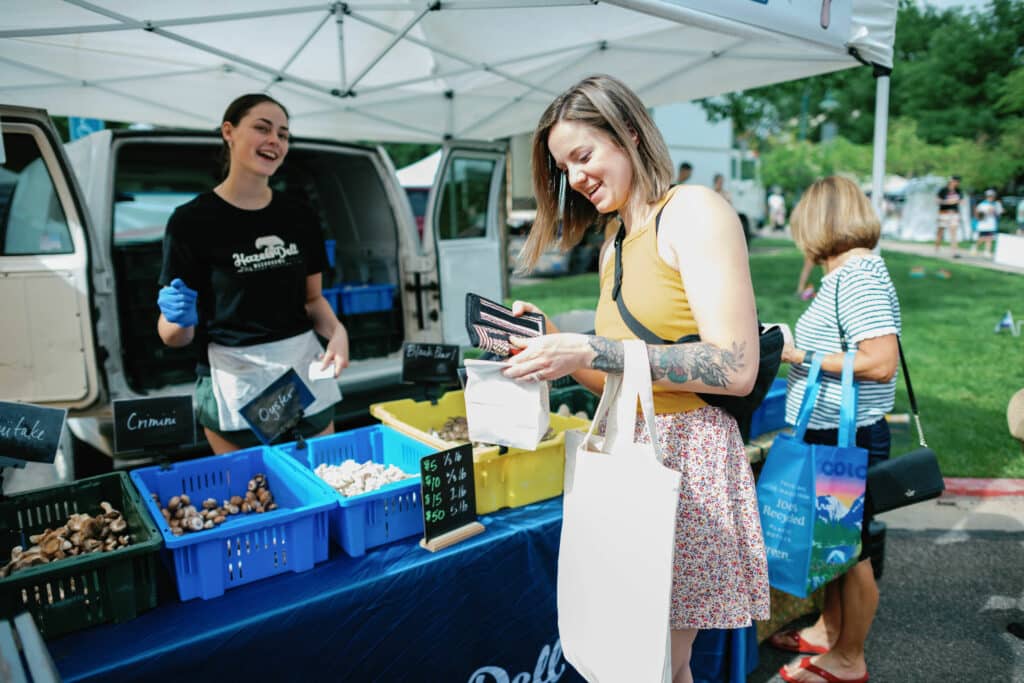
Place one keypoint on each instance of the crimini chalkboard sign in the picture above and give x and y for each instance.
(29, 433)
(145, 423)
(449, 497)
(430, 363)
(278, 408)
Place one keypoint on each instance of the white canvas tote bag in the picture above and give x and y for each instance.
(618, 535)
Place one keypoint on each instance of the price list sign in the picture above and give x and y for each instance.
(449, 497)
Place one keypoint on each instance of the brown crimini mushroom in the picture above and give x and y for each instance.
(185, 500)
(174, 503)
(209, 504)
(236, 500)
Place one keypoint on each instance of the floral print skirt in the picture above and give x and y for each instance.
(720, 578)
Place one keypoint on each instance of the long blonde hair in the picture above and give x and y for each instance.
(832, 217)
(608, 105)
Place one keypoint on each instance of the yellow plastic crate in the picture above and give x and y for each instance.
(517, 478)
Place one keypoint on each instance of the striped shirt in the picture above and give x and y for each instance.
(868, 308)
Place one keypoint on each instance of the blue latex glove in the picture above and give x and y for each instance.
(178, 304)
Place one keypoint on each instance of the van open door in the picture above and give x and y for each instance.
(49, 354)
(466, 216)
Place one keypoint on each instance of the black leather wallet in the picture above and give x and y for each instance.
(490, 324)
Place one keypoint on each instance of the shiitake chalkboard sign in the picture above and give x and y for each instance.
(449, 497)
(430, 363)
(278, 408)
(29, 433)
(148, 423)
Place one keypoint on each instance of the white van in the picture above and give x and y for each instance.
(80, 254)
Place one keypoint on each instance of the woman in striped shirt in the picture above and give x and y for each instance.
(834, 225)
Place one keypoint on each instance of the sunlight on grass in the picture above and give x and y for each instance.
(964, 374)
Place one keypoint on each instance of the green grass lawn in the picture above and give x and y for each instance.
(963, 373)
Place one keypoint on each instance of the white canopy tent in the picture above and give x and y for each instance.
(416, 71)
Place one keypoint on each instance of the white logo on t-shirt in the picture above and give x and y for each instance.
(271, 251)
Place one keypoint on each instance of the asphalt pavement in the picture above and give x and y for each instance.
(953, 579)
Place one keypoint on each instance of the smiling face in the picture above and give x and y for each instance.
(259, 142)
(597, 168)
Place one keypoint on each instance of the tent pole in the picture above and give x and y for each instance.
(881, 129)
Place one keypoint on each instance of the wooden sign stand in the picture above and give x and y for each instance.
(452, 537)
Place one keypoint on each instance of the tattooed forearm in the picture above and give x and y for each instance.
(609, 354)
(698, 362)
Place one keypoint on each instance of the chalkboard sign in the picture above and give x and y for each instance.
(278, 408)
(144, 423)
(430, 363)
(449, 497)
(29, 433)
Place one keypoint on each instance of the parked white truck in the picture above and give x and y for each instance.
(81, 235)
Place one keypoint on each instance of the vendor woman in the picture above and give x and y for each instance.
(242, 270)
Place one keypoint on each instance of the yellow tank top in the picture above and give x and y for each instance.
(656, 296)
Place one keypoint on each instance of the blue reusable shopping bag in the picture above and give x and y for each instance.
(811, 496)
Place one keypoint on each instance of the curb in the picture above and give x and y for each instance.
(983, 488)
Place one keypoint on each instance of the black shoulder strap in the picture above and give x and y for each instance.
(903, 364)
(634, 325)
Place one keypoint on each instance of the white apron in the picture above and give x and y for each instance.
(240, 373)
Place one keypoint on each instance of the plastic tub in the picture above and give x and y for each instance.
(85, 590)
(247, 547)
(515, 478)
(390, 513)
(771, 414)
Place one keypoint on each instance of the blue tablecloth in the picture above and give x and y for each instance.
(481, 611)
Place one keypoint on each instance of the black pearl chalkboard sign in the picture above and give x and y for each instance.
(430, 363)
(148, 423)
(29, 433)
(449, 497)
(278, 408)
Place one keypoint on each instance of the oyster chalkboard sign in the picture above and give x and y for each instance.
(148, 423)
(29, 433)
(279, 407)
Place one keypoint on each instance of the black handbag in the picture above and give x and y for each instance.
(770, 341)
(912, 477)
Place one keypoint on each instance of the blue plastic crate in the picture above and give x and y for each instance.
(356, 298)
(771, 414)
(390, 513)
(247, 547)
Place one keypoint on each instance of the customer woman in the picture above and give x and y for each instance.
(242, 279)
(685, 269)
(835, 226)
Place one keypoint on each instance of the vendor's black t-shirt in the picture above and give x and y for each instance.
(249, 268)
(949, 200)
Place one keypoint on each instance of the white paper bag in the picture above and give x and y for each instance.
(618, 537)
(505, 411)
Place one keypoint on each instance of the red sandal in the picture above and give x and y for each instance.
(781, 641)
(805, 663)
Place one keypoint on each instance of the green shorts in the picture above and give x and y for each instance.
(206, 412)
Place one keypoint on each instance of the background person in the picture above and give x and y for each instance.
(835, 225)
(949, 200)
(600, 135)
(685, 171)
(242, 279)
(718, 185)
(987, 212)
(777, 209)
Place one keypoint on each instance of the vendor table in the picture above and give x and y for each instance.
(482, 611)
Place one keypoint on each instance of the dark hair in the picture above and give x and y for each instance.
(685, 166)
(955, 177)
(236, 111)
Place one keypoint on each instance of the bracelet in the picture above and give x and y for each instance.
(808, 357)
